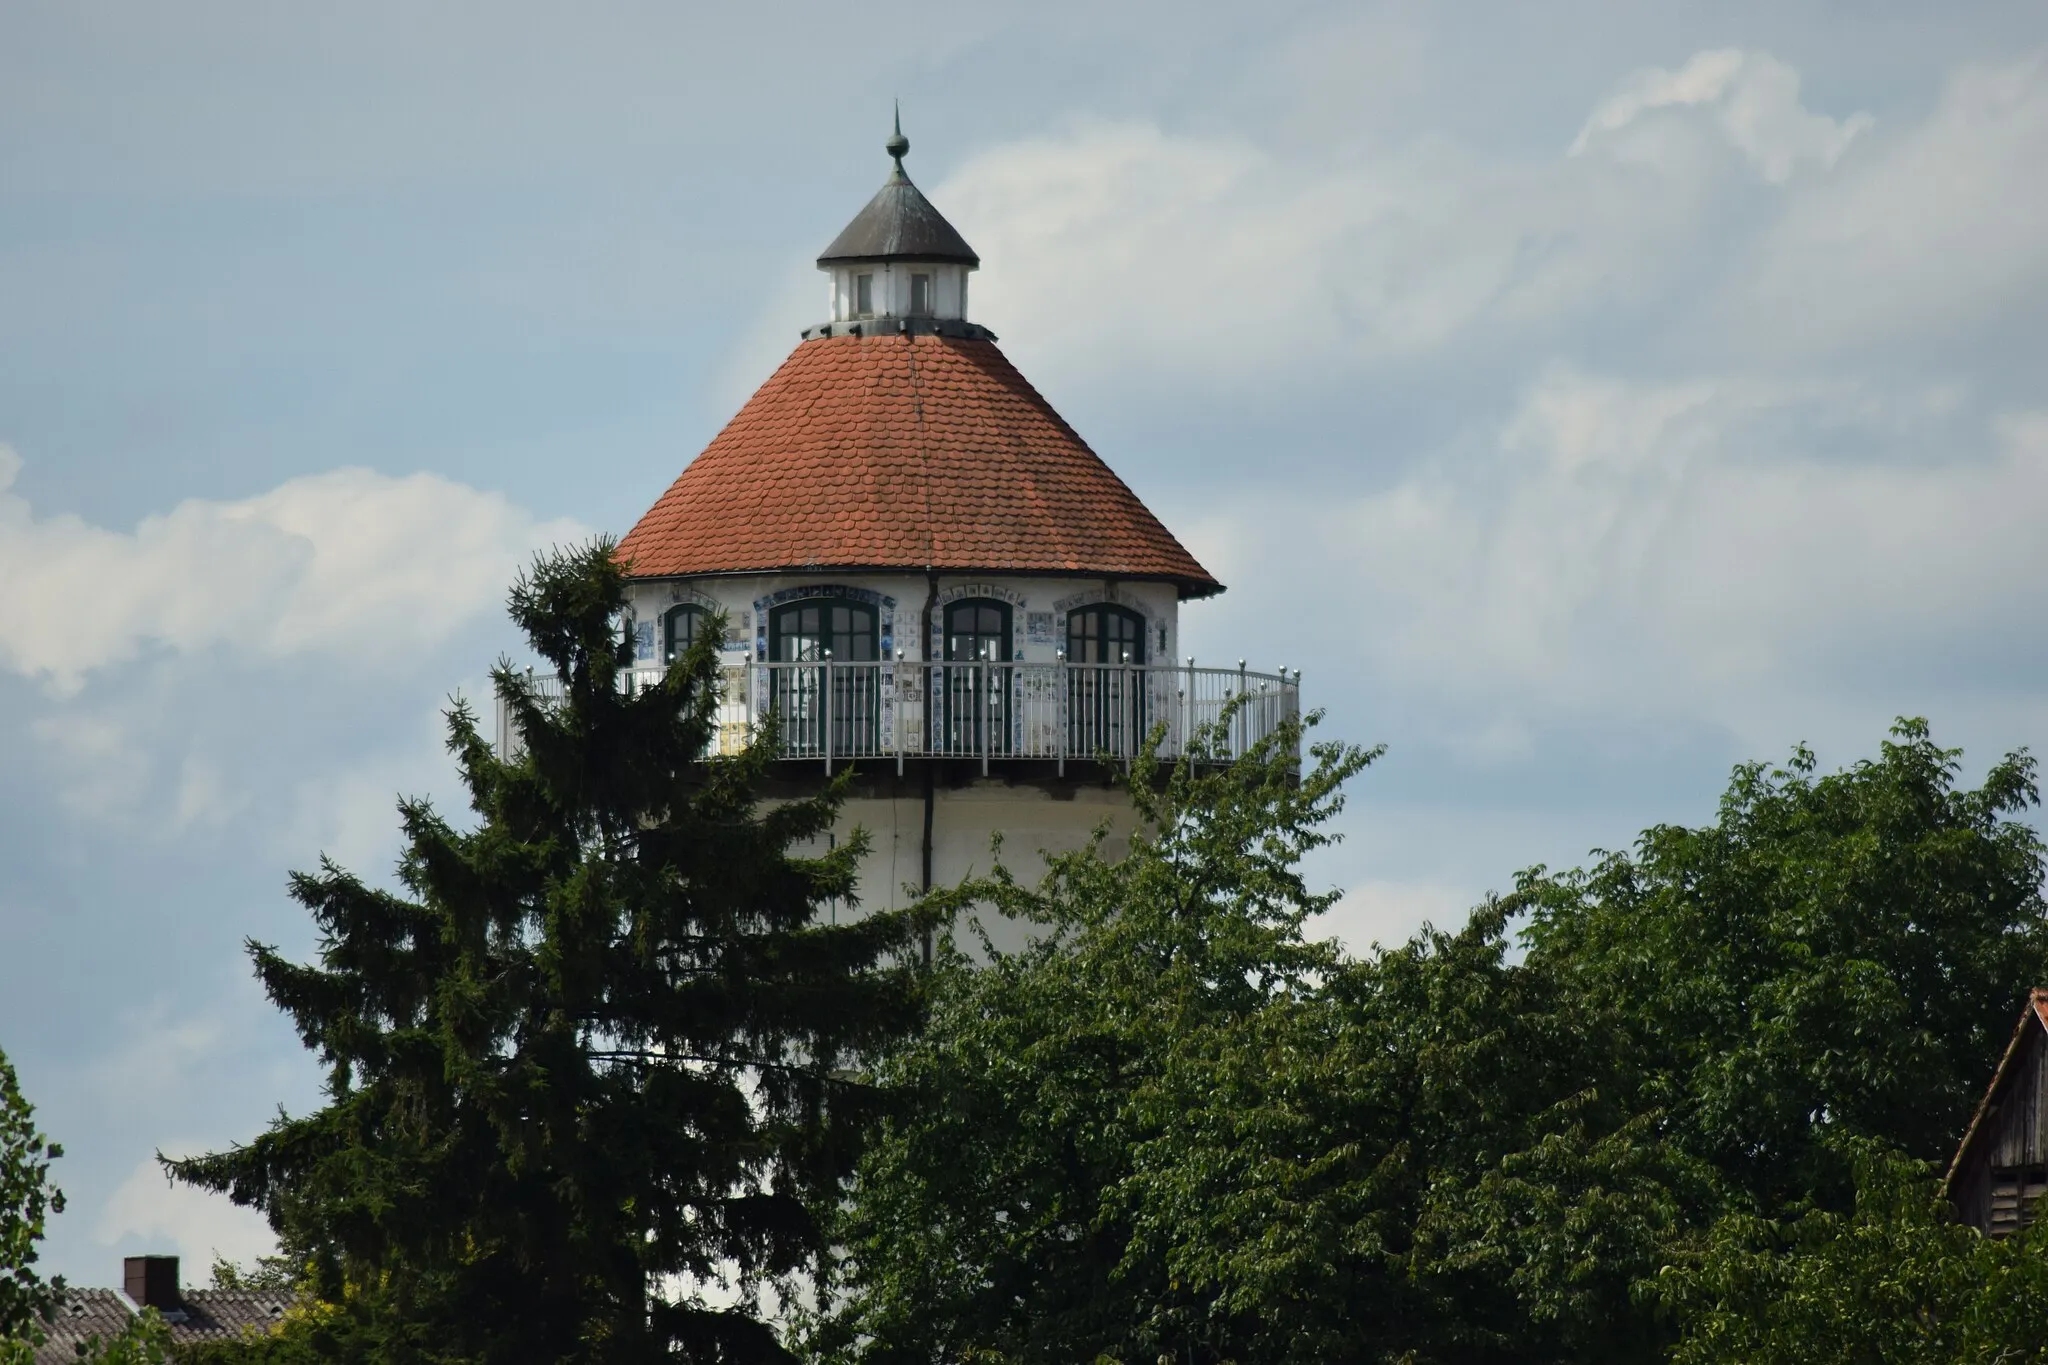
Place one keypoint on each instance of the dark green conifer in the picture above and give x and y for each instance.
(595, 1058)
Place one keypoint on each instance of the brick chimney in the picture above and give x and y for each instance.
(151, 1282)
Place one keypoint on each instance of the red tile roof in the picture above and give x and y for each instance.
(903, 452)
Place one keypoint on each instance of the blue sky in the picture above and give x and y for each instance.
(1588, 397)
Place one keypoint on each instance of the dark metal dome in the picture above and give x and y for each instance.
(899, 224)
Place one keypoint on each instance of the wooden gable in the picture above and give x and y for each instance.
(2000, 1172)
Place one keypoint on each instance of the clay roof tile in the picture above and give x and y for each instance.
(903, 452)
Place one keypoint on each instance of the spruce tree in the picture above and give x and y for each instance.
(597, 1058)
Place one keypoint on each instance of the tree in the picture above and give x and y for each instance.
(1176, 1127)
(29, 1303)
(1897, 1281)
(989, 1215)
(27, 1199)
(595, 1058)
(1835, 956)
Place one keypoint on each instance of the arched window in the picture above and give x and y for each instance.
(1105, 634)
(839, 706)
(680, 627)
(818, 628)
(978, 628)
(1106, 710)
(975, 684)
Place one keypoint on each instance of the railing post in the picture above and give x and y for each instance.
(1188, 710)
(896, 709)
(828, 715)
(1060, 708)
(1124, 739)
(1292, 711)
(1242, 699)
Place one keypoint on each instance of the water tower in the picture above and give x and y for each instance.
(929, 577)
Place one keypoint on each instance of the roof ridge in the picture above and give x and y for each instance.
(924, 452)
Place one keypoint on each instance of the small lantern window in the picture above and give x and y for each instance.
(864, 295)
(920, 296)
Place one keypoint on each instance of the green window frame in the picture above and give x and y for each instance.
(1106, 707)
(975, 683)
(680, 627)
(847, 712)
(1103, 633)
(802, 631)
(978, 628)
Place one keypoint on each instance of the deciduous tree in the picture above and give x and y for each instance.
(27, 1199)
(1178, 1127)
(29, 1304)
(1835, 956)
(1895, 1281)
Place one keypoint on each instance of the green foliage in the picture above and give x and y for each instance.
(1895, 1282)
(1175, 1127)
(146, 1340)
(277, 1274)
(594, 1059)
(27, 1199)
(1531, 1195)
(1836, 956)
(28, 1303)
(993, 1215)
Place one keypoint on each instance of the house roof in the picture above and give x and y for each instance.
(2034, 1016)
(202, 1315)
(82, 1314)
(910, 450)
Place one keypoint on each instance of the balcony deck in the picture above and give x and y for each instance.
(835, 713)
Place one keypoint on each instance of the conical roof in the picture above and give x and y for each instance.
(908, 450)
(899, 223)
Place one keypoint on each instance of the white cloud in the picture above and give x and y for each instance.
(148, 1210)
(1642, 551)
(349, 564)
(1943, 228)
(1118, 248)
(1754, 100)
(1121, 257)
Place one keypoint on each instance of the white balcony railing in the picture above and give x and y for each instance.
(835, 713)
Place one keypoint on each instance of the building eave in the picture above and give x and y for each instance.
(1188, 589)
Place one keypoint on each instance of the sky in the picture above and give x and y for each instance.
(1587, 397)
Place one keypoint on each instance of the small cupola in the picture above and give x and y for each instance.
(899, 259)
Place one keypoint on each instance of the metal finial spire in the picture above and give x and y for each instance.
(898, 146)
